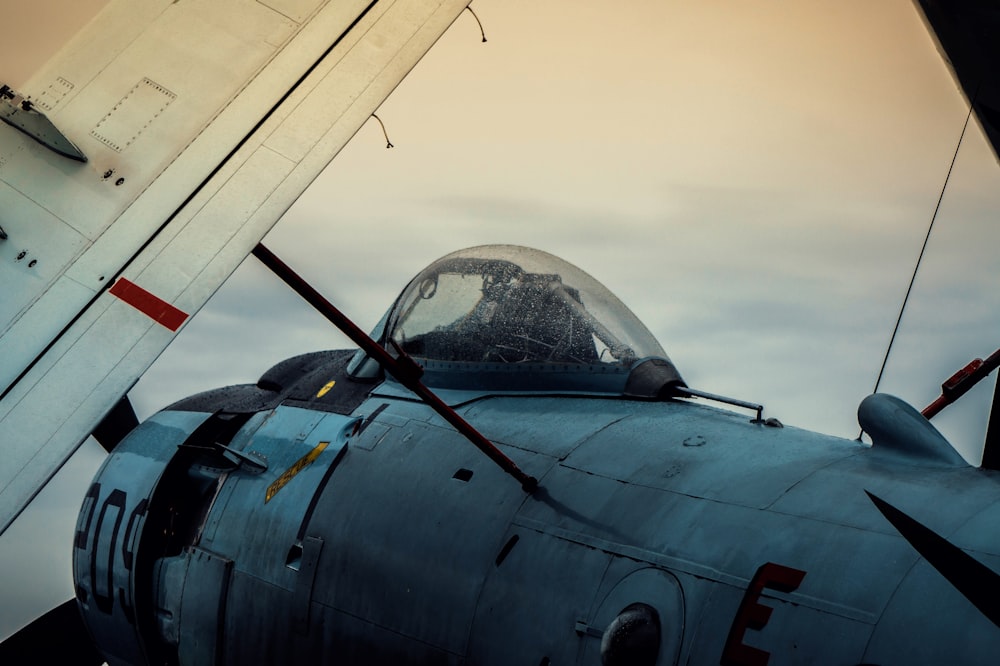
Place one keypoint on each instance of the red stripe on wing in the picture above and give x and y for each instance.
(150, 305)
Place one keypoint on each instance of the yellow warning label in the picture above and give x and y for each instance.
(290, 473)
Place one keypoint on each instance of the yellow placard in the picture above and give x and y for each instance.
(290, 473)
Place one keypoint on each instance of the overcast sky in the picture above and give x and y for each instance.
(754, 179)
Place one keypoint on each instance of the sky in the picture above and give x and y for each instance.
(753, 179)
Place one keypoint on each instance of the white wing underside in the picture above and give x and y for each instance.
(202, 122)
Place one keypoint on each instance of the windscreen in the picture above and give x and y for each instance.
(514, 305)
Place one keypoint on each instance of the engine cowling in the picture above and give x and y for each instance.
(149, 588)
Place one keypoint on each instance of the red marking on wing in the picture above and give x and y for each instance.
(150, 305)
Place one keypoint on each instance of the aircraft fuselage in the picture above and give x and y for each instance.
(348, 522)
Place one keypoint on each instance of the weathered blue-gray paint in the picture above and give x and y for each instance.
(292, 521)
(402, 556)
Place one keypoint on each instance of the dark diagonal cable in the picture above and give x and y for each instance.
(923, 248)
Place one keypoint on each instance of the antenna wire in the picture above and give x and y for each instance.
(923, 248)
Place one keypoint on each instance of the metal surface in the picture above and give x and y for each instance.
(278, 524)
(959, 384)
(379, 537)
(965, 31)
(403, 368)
(419, 558)
(186, 174)
(22, 115)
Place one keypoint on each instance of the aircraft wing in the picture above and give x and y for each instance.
(200, 123)
(966, 32)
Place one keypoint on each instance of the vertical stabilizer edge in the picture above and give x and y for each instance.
(991, 450)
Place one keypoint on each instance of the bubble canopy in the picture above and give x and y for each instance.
(506, 317)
